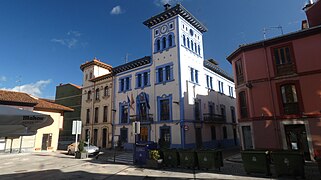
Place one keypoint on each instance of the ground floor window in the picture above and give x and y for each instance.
(165, 137)
(247, 137)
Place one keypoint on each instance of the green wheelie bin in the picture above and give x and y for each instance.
(290, 163)
(256, 161)
(171, 157)
(188, 158)
(210, 159)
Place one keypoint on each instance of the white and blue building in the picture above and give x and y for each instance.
(177, 95)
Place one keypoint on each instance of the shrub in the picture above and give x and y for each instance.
(154, 154)
(81, 146)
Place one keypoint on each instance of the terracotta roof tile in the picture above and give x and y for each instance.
(12, 97)
(19, 97)
(48, 104)
(97, 63)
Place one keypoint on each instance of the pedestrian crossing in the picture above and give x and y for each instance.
(118, 158)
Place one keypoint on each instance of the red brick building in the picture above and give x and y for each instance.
(278, 88)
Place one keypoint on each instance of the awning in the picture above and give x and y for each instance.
(17, 122)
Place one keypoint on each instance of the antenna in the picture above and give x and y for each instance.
(270, 28)
(126, 57)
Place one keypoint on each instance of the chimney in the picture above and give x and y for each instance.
(304, 24)
(167, 6)
(313, 12)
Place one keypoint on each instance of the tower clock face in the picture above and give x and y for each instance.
(164, 29)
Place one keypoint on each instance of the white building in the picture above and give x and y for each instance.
(177, 96)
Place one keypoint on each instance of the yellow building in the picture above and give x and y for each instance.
(46, 138)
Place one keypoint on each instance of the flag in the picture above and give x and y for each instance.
(128, 100)
(132, 101)
(147, 102)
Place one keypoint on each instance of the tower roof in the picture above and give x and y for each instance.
(176, 10)
(97, 63)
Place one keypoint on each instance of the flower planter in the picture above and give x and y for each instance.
(80, 155)
(154, 164)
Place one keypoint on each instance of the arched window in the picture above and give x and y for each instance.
(195, 47)
(184, 40)
(170, 40)
(157, 44)
(192, 45)
(106, 93)
(97, 94)
(164, 42)
(199, 49)
(188, 42)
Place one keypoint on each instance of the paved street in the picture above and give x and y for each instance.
(60, 166)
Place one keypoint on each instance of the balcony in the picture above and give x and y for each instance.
(143, 119)
(285, 69)
(240, 79)
(291, 108)
(213, 118)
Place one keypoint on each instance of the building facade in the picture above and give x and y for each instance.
(179, 98)
(68, 95)
(278, 91)
(97, 103)
(46, 138)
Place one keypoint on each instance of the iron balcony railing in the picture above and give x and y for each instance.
(148, 118)
(213, 118)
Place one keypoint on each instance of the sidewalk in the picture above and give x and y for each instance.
(233, 166)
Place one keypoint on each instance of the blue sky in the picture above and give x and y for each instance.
(43, 43)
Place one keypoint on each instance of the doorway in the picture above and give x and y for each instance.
(198, 137)
(104, 144)
(46, 141)
(296, 139)
(143, 133)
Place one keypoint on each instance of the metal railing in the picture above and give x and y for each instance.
(213, 118)
(148, 118)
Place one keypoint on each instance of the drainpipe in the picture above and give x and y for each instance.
(271, 96)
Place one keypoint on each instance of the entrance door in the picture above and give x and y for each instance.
(198, 136)
(144, 133)
(104, 144)
(247, 137)
(234, 136)
(46, 141)
(296, 138)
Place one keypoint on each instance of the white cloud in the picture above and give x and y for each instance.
(3, 78)
(34, 89)
(74, 33)
(117, 10)
(71, 40)
(162, 2)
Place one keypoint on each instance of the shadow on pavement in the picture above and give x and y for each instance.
(58, 174)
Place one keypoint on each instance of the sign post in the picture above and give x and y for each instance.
(76, 129)
(136, 130)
